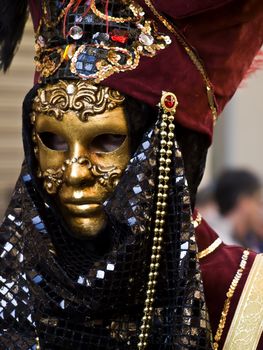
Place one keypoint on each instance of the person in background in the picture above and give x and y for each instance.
(205, 203)
(238, 195)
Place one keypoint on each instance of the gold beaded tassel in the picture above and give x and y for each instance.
(168, 106)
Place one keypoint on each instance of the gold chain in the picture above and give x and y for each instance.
(229, 296)
(190, 52)
(167, 137)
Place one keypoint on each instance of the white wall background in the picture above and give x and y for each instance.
(238, 138)
(13, 87)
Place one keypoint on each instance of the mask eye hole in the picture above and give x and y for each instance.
(53, 141)
(106, 143)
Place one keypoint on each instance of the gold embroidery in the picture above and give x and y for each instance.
(209, 249)
(247, 325)
(229, 296)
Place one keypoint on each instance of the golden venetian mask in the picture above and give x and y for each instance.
(82, 147)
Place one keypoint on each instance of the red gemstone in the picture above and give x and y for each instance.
(120, 36)
(169, 101)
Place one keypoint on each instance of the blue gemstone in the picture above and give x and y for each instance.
(88, 66)
(26, 178)
(79, 65)
(90, 59)
(37, 279)
(40, 226)
(36, 220)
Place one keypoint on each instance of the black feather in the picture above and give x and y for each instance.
(13, 16)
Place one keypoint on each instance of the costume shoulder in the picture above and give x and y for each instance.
(13, 16)
(220, 266)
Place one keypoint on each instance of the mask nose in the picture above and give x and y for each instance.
(78, 172)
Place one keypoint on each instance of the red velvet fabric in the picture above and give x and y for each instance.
(182, 9)
(218, 270)
(223, 34)
(227, 34)
(36, 12)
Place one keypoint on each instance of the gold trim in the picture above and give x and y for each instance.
(247, 325)
(209, 249)
(229, 296)
(197, 221)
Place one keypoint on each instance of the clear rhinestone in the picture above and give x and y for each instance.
(146, 39)
(76, 32)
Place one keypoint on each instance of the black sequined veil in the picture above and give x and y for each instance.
(74, 295)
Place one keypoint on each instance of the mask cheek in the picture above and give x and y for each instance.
(51, 168)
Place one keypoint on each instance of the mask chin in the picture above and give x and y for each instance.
(85, 227)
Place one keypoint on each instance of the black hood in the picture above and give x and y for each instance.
(79, 295)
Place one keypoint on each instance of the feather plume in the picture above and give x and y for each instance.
(13, 16)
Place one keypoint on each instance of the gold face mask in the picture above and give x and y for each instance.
(81, 144)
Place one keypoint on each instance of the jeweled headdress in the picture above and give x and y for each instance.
(92, 40)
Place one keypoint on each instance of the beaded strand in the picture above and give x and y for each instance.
(168, 105)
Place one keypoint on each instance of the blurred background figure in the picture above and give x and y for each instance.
(206, 204)
(233, 207)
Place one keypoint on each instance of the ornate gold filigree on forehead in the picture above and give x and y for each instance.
(79, 96)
